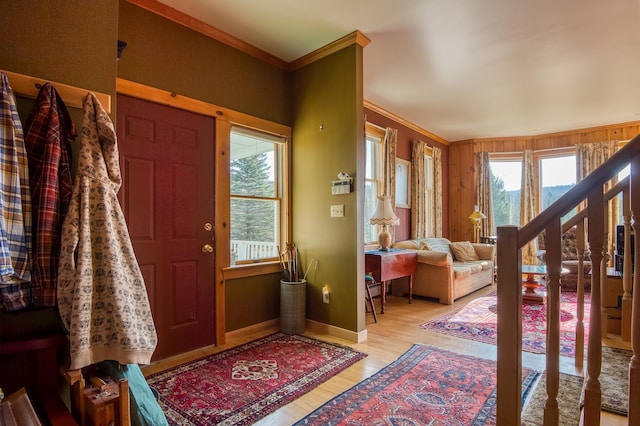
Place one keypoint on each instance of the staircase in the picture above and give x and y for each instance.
(592, 202)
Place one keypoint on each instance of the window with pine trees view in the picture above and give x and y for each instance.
(505, 191)
(556, 173)
(557, 176)
(256, 195)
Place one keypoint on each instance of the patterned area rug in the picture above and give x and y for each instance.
(614, 380)
(478, 321)
(426, 385)
(568, 398)
(243, 384)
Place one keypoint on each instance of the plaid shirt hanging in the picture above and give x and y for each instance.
(15, 206)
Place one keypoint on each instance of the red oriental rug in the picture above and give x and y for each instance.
(424, 386)
(241, 385)
(478, 321)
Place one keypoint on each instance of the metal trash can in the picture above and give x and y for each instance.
(293, 301)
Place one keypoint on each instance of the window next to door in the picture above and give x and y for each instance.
(256, 192)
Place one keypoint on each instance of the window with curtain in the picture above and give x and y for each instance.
(555, 172)
(373, 185)
(256, 179)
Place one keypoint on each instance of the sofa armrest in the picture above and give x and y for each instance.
(435, 258)
(485, 251)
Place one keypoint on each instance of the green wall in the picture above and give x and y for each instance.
(72, 41)
(328, 138)
(252, 300)
(163, 54)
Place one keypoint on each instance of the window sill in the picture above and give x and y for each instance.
(251, 270)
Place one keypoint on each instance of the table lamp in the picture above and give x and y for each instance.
(476, 217)
(384, 216)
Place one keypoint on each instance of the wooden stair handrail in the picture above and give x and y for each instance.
(581, 191)
(582, 214)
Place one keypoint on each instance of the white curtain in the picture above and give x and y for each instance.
(588, 157)
(483, 194)
(419, 225)
(437, 192)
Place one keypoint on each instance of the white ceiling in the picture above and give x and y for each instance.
(464, 68)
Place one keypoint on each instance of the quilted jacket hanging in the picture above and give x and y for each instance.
(102, 297)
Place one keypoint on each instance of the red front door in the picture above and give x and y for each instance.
(167, 160)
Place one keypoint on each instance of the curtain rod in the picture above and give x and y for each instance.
(27, 86)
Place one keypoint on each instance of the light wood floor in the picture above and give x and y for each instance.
(394, 333)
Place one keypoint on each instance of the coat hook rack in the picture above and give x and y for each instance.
(28, 87)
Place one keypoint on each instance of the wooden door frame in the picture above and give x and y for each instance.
(224, 119)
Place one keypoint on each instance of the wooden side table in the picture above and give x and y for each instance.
(388, 265)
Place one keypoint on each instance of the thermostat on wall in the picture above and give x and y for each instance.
(342, 186)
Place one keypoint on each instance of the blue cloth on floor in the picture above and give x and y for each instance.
(145, 410)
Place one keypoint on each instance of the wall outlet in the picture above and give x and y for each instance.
(325, 294)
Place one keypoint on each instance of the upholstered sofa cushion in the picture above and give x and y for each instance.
(408, 244)
(463, 251)
(439, 244)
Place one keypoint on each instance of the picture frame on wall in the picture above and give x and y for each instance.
(403, 183)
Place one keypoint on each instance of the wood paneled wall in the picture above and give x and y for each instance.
(463, 164)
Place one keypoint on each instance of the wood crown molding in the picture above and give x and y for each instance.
(605, 127)
(190, 22)
(355, 37)
(194, 24)
(375, 108)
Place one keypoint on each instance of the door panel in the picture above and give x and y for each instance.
(167, 160)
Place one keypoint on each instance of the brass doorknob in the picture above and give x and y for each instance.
(207, 248)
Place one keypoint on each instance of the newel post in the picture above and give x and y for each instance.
(509, 377)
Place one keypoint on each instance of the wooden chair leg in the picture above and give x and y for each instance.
(370, 300)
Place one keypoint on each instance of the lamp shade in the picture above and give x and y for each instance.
(477, 215)
(384, 214)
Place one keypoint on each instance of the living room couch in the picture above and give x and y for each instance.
(447, 271)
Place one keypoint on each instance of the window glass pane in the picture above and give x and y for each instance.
(371, 192)
(255, 195)
(252, 166)
(505, 191)
(372, 184)
(254, 229)
(623, 174)
(371, 165)
(557, 176)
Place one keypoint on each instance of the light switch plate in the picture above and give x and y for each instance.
(337, 210)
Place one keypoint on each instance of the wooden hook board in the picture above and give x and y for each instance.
(27, 86)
